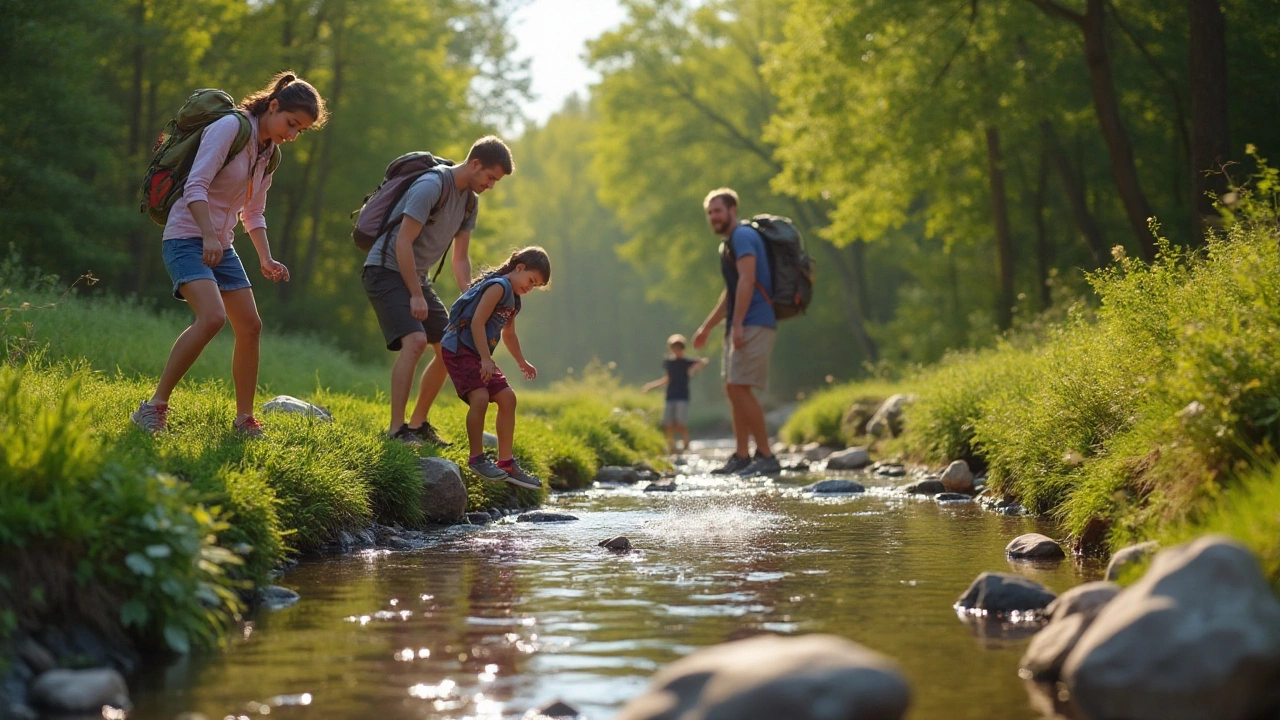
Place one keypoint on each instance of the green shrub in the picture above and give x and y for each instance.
(821, 417)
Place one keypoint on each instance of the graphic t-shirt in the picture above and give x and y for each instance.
(678, 377)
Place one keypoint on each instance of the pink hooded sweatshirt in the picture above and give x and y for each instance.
(230, 191)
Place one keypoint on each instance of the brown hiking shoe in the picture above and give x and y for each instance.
(249, 427)
(151, 418)
(428, 433)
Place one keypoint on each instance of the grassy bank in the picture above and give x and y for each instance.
(1146, 415)
(155, 536)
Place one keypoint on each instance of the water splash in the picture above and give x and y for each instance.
(699, 520)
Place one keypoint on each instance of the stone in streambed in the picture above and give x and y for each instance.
(957, 477)
(825, 487)
(1034, 546)
(80, 691)
(557, 709)
(1129, 556)
(854, 458)
(811, 677)
(952, 497)
(661, 487)
(617, 475)
(928, 486)
(619, 543)
(478, 518)
(274, 597)
(1004, 593)
(444, 496)
(1070, 615)
(542, 516)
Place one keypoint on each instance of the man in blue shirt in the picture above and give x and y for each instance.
(749, 332)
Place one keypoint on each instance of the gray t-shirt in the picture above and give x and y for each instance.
(437, 229)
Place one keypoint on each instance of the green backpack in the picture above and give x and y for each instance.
(175, 150)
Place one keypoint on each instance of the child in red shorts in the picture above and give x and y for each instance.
(485, 313)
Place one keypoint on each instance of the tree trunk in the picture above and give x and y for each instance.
(1107, 107)
(1000, 219)
(1043, 250)
(1210, 146)
(1074, 192)
(137, 238)
(851, 282)
(338, 25)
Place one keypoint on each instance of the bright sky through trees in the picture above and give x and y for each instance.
(554, 34)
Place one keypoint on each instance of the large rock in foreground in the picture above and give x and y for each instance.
(444, 496)
(813, 677)
(1197, 637)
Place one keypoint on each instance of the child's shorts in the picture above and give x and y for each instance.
(183, 258)
(464, 371)
(676, 412)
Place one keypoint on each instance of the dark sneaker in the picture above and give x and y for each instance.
(152, 418)
(485, 467)
(518, 477)
(248, 427)
(427, 433)
(735, 463)
(406, 436)
(761, 466)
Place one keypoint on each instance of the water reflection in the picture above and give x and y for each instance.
(492, 621)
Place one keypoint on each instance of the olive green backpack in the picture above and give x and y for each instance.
(175, 150)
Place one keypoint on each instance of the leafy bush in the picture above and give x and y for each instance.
(822, 417)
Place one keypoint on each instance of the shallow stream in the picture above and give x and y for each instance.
(492, 621)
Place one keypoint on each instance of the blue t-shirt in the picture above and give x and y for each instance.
(743, 241)
(458, 334)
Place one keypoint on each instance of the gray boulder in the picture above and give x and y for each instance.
(1003, 593)
(814, 452)
(289, 404)
(478, 517)
(661, 487)
(952, 497)
(854, 458)
(834, 486)
(1198, 636)
(542, 516)
(274, 597)
(1070, 615)
(888, 417)
(444, 496)
(489, 440)
(1034, 546)
(1131, 555)
(1086, 599)
(811, 677)
(928, 486)
(620, 543)
(80, 691)
(957, 477)
(557, 709)
(617, 475)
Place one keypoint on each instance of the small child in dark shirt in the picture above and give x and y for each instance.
(675, 416)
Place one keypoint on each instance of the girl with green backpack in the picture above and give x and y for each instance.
(227, 182)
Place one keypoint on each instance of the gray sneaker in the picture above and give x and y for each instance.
(735, 463)
(406, 436)
(485, 467)
(152, 418)
(518, 477)
(761, 466)
(427, 433)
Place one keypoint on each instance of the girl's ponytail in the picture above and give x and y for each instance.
(532, 257)
(292, 94)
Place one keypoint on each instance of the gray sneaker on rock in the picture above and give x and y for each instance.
(518, 477)
(427, 433)
(735, 463)
(406, 436)
(761, 466)
(485, 467)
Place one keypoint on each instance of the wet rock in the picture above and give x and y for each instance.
(617, 475)
(489, 440)
(854, 458)
(834, 486)
(79, 691)
(444, 495)
(274, 597)
(1086, 599)
(887, 419)
(558, 709)
(1004, 593)
(1034, 546)
(1131, 555)
(1070, 615)
(495, 513)
(19, 711)
(400, 542)
(814, 452)
(661, 487)
(928, 486)
(620, 543)
(798, 466)
(36, 656)
(889, 469)
(292, 405)
(1198, 636)
(478, 517)
(952, 497)
(810, 677)
(542, 516)
(1014, 509)
(957, 477)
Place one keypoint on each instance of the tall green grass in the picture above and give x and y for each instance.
(87, 500)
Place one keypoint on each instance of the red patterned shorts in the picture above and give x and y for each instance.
(464, 371)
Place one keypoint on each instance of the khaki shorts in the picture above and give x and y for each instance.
(749, 364)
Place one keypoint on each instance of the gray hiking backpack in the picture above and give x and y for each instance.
(373, 217)
(790, 265)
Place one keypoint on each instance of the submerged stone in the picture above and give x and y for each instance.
(834, 486)
(542, 516)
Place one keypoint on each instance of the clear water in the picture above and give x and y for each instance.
(493, 621)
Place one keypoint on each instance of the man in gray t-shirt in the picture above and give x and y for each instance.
(439, 208)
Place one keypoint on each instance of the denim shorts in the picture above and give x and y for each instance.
(182, 258)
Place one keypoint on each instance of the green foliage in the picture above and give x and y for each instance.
(829, 416)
